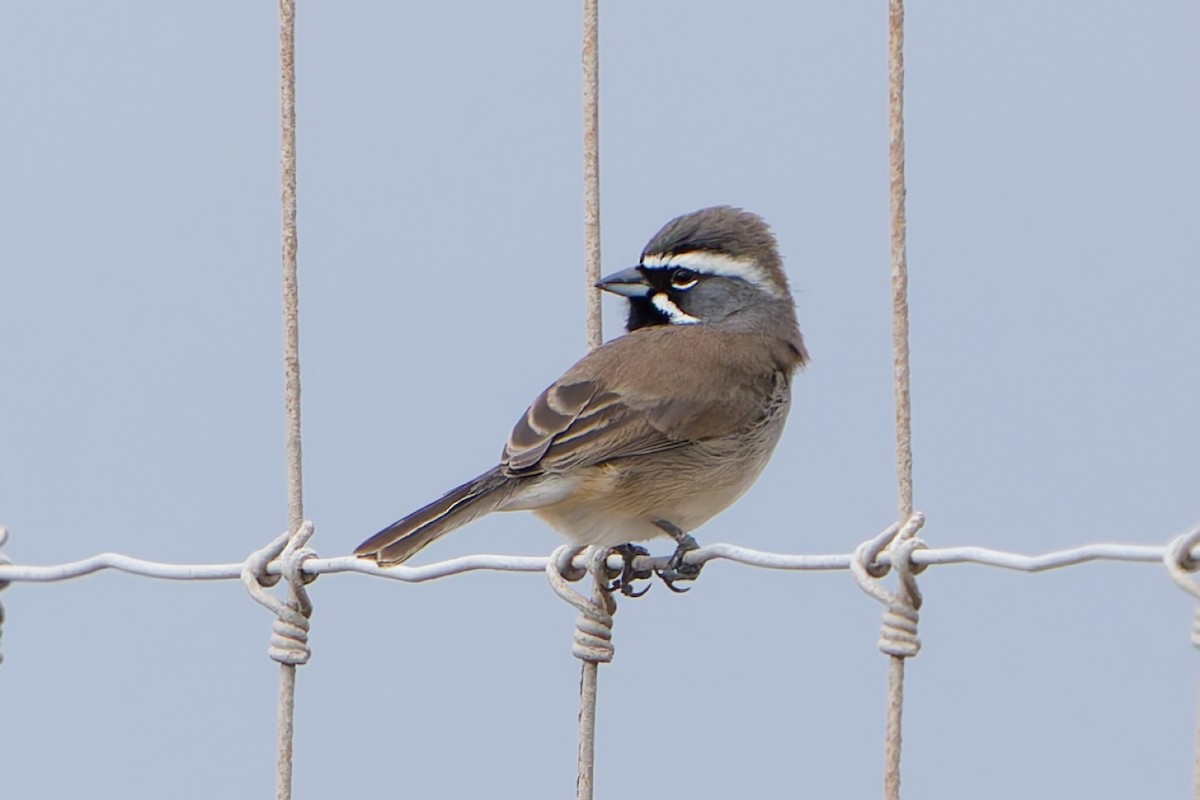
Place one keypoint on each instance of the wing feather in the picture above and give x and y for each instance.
(631, 398)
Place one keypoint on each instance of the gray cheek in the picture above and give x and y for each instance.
(714, 300)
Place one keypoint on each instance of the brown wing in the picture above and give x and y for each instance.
(578, 423)
(635, 396)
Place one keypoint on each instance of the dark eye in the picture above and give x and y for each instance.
(683, 278)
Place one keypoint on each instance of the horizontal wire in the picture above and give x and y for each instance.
(498, 563)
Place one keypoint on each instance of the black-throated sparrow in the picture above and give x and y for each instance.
(657, 431)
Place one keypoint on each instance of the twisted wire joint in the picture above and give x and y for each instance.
(1181, 566)
(289, 632)
(3, 584)
(898, 636)
(593, 627)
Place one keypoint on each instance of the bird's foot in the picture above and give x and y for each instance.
(624, 580)
(677, 569)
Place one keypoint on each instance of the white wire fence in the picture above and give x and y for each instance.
(288, 557)
(897, 548)
(315, 566)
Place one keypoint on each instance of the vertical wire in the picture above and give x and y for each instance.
(1196, 740)
(587, 726)
(900, 362)
(892, 736)
(291, 358)
(899, 225)
(591, 170)
(591, 272)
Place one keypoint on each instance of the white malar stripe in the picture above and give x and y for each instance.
(673, 312)
(716, 264)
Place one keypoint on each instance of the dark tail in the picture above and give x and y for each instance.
(401, 540)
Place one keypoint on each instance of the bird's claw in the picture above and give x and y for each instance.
(626, 577)
(677, 569)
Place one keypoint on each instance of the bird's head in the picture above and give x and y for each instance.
(705, 267)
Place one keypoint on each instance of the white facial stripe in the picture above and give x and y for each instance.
(716, 264)
(673, 312)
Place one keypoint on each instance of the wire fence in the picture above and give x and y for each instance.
(314, 566)
(897, 548)
(287, 557)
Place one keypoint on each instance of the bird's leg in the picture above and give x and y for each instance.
(677, 569)
(628, 575)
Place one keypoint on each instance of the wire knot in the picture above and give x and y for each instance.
(898, 636)
(4, 561)
(593, 627)
(1181, 565)
(564, 562)
(289, 632)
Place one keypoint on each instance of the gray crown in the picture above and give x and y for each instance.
(730, 231)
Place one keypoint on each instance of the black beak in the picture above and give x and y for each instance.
(627, 283)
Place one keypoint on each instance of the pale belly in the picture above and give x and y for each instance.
(621, 501)
(604, 522)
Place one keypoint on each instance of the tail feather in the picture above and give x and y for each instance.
(402, 539)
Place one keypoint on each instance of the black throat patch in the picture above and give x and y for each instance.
(642, 313)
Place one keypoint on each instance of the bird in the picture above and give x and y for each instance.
(657, 430)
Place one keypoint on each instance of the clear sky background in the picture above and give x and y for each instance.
(1054, 251)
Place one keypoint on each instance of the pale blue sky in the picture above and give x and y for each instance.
(1053, 206)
